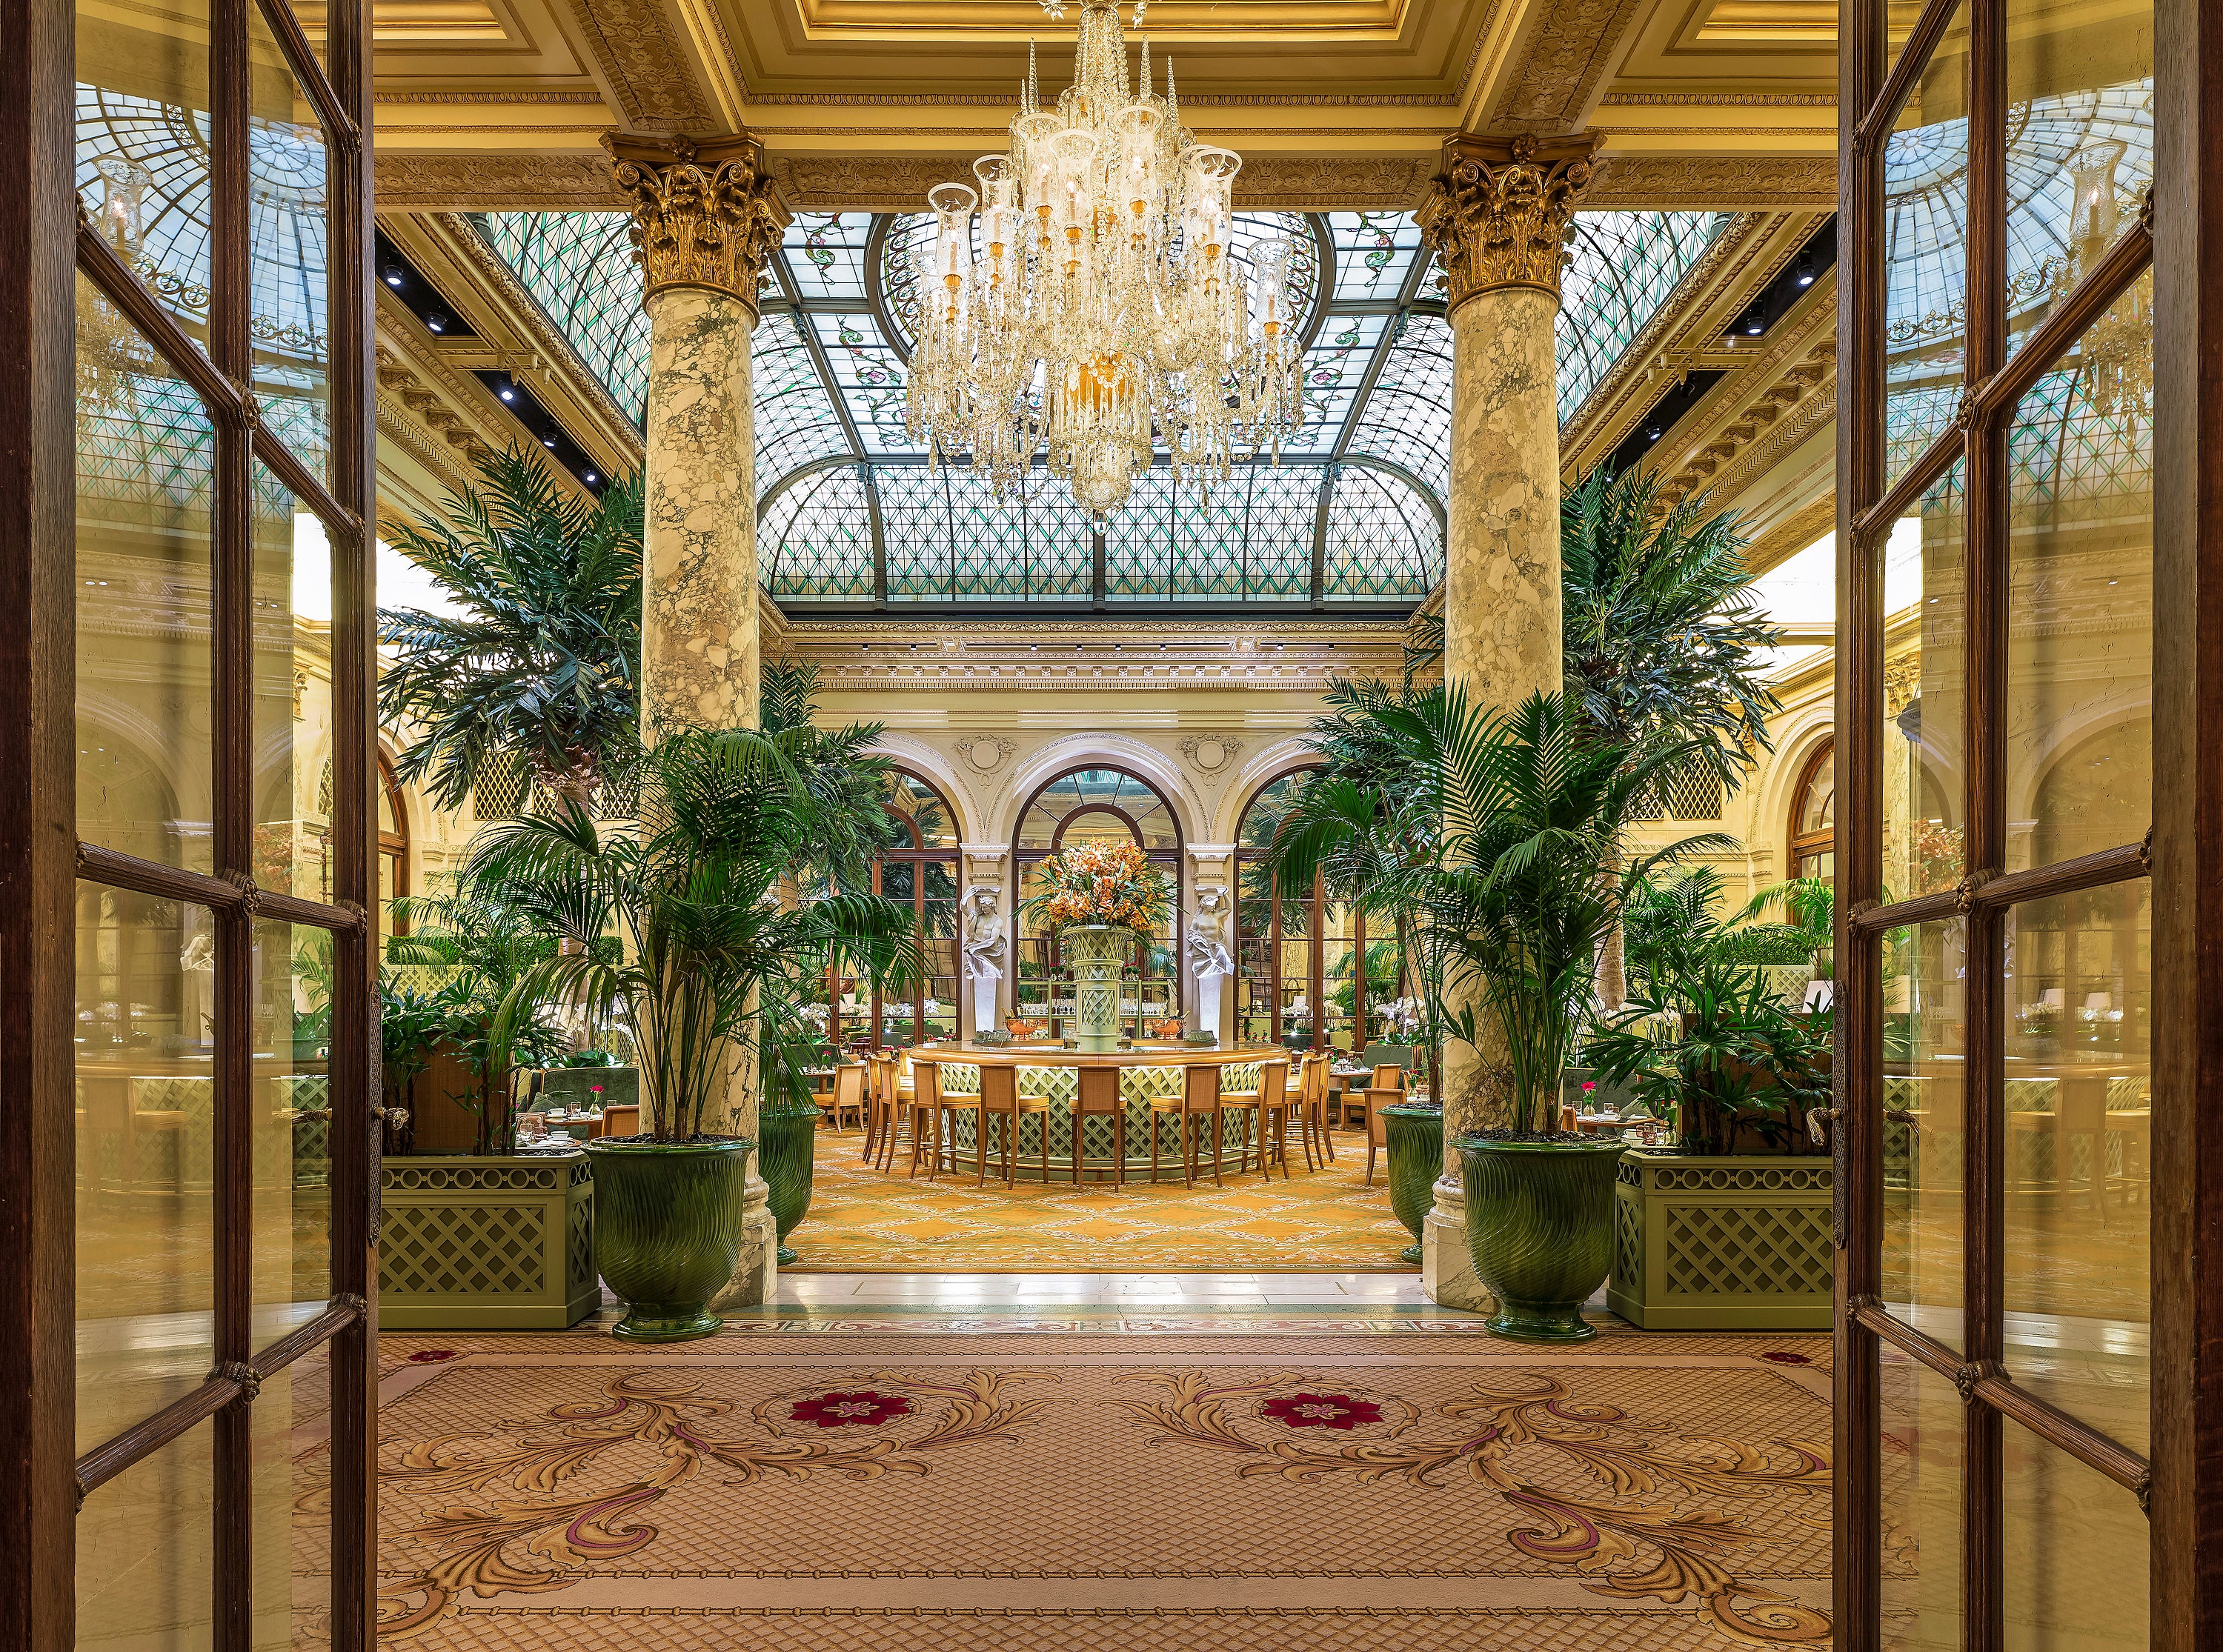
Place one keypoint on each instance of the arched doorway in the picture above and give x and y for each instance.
(393, 850)
(1297, 951)
(918, 866)
(1105, 805)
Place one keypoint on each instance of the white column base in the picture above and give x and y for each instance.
(756, 1269)
(1446, 1270)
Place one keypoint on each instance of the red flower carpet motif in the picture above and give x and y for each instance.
(841, 1410)
(1320, 1410)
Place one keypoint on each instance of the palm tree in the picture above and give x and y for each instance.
(848, 784)
(675, 926)
(1511, 902)
(1662, 642)
(546, 663)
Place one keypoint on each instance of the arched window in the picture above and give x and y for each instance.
(1104, 805)
(1297, 950)
(1814, 816)
(393, 847)
(919, 867)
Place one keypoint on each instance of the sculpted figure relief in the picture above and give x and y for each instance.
(1209, 960)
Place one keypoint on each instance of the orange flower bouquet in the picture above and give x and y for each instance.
(1113, 884)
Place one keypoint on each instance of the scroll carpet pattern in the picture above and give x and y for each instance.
(864, 1221)
(821, 1492)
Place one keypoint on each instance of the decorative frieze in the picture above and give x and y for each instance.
(1498, 215)
(705, 214)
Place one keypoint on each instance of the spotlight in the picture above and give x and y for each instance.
(592, 478)
(436, 321)
(1754, 326)
(548, 440)
(1804, 272)
(1654, 432)
(509, 392)
(393, 273)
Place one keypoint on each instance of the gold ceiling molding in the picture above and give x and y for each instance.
(1654, 183)
(645, 65)
(474, 97)
(1561, 64)
(446, 442)
(1189, 100)
(1498, 213)
(703, 216)
(1709, 468)
(1786, 538)
(1284, 182)
(1718, 100)
(410, 182)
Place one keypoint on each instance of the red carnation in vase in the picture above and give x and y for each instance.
(866, 1409)
(1320, 1410)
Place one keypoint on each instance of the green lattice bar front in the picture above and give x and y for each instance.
(472, 1242)
(1705, 1243)
(1139, 1086)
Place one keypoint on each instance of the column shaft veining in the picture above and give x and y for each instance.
(1497, 216)
(705, 219)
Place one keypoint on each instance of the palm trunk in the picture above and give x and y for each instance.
(1612, 972)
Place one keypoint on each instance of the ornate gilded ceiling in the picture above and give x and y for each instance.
(1717, 104)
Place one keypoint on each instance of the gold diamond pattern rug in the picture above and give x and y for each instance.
(818, 1493)
(864, 1221)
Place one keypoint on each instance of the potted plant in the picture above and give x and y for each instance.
(1729, 1228)
(1097, 899)
(1517, 907)
(674, 929)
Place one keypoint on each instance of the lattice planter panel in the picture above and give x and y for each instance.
(1722, 1244)
(486, 1243)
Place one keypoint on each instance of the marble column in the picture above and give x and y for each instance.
(1497, 218)
(705, 218)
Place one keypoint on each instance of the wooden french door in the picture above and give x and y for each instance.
(2027, 487)
(186, 615)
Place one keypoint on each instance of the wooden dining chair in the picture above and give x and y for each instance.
(875, 1105)
(1314, 1081)
(623, 1120)
(1377, 1133)
(1001, 1101)
(846, 1098)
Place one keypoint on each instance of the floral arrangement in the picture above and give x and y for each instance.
(1401, 1018)
(1113, 884)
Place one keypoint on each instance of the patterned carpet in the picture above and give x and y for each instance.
(863, 1220)
(818, 1492)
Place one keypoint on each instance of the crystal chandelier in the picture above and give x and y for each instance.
(1083, 304)
(2115, 357)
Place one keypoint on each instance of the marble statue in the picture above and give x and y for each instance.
(984, 947)
(1208, 958)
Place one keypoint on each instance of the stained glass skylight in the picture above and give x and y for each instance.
(1353, 511)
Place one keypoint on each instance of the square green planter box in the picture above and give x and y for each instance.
(1722, 1244)
(484, 1243)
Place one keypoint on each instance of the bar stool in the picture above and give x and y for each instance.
(947, 1104)
(1264, 1105)
(1201, 1102)
(1380, 1094)
(1000, 1100)
(1099, 1098)
(1312, 1082)
(879, 1111)
(920, 1107)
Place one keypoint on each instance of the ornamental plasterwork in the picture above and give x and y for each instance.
(1764, 412)
(1565, 58)
(985, 753)
(1665, 182)
(703, 216)
(644, 64)
(1502, 222)
(1210, 755)
(1902, 682)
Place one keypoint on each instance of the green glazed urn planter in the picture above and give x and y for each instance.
(1096, 952)
(668, 1231)
(787, 1152)
(1539, 1228)
(1416, 1158)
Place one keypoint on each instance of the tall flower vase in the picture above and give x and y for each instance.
(787, 1151)
(1416, 1158)
(1096, 952)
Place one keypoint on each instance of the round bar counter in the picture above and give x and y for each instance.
(1065, 1077)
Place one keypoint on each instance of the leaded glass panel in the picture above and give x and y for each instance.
(580, 268)
(868, 373)
(1283, 514)
(815, 539)
(1060, 542)
(991, 537)
(916, 528)
(1622, 265)
(1207, 539)
(826, 254)
(795, 418)
(1335, 368)
(1407, 416)
(1374, 254)
(1382, 539)
(1138, 540)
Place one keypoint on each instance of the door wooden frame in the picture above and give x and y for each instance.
(2182, 238)
(44, 245)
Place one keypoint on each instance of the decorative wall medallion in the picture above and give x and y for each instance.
(985, 752)
(1211, 752)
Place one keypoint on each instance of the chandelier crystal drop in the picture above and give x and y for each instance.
(1083, 303)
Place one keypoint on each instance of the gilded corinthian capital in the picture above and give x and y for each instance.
(1498, 213)
(705, 212)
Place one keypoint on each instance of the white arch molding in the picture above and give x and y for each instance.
(909, 752)
(1069, 751)
(1290, 751)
